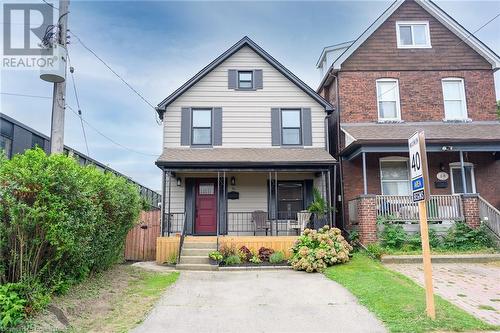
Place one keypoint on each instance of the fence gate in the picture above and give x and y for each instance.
(141, 240)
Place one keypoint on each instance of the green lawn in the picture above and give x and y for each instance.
(398, 301)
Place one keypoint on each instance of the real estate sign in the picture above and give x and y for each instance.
(418, 167)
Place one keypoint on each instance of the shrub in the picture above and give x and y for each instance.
(12, 310)
(375, 250)
(316, 250)
(245, 253)
(232, 260)
(265, 253)
(277, 257)
(215, 255)
(393, 236)
(228, 250)
(415, 241)
(60, 221)
(255, 259)
(463, 237)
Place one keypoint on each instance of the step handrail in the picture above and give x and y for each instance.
(181, 241)
(495, 212)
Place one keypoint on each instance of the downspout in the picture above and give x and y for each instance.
(340, 170)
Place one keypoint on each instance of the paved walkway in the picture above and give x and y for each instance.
(473, 287)
(275, 301)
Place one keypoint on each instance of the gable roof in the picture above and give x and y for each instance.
(434, 10)
(337, 49)
(245, 41)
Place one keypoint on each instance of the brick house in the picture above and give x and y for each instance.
(414, 68)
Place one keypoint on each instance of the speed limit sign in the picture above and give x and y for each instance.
(418, 167)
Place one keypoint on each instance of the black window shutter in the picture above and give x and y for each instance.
(185, 126)
(257, 77)
(217, 126)
(232, 79)
(306, 127)
(275, 127)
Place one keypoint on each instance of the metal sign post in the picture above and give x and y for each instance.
(420, 193)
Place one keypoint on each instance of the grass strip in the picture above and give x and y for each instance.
(398, 301)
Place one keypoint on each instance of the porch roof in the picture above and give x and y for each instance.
(393, 137)
(244, 157)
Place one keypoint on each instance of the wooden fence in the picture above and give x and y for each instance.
(167, 249)
(141, 240)
(277, 243)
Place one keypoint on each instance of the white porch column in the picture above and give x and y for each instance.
(462, 168)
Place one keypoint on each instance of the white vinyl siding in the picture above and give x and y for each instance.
(455, 105)
(246, 115)
(413, 34)
(388, 100)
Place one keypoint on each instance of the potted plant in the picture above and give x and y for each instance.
(319, 208)
(215, 257)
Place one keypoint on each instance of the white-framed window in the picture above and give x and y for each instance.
(413, 34)
(388, 100)
(455, 105)
(201, 127)
(245, 79)
(291, 127)
(456, 178)
(394, 176)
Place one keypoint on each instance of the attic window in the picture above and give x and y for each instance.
(413, 34)
(245, 79)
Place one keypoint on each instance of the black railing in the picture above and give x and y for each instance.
(276, 223)
(183, 235)
(173, 223)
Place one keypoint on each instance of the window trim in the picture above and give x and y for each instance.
(428, 45)
(464, 100)
(299, 128)
(457, 165)
(211, 127)
(398, 106)
(252, 81)
(394, 159)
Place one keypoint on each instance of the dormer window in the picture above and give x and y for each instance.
(413, 34)
(245, 79)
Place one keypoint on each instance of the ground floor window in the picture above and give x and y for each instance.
(6, 145)
(290, 197)
(456, 178)
(394, 176)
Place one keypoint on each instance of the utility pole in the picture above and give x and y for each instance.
(59, 94)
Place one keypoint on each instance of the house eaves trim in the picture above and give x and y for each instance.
(332, 48)
(440, 15)
(245, 41)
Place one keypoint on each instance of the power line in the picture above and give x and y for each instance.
(117, 75)
(24, 95)
(71, 70)
(50, 5)
(87, 123)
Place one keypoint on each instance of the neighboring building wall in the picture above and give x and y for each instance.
(246, 115)
(420, 93)
(486, 171)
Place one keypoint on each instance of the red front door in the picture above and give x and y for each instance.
(206, 207)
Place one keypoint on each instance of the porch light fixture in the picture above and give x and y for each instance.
(179, 181)
(233, 181)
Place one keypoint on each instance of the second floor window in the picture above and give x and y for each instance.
(245, 79)
(388, 100)
(455, 106)
(291, 127)
(202, 127)
(413, 34)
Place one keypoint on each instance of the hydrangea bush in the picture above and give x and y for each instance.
(315, 250)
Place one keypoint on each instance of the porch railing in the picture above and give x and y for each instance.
(402, 208)
(241, 223)
(490, 216)
(174, 223)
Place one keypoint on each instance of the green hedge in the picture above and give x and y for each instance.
(60, 221)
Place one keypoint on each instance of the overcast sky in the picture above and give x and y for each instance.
(157, 46)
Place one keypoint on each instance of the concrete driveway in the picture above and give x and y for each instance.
(258, 301)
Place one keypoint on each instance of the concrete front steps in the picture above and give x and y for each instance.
(194, 254)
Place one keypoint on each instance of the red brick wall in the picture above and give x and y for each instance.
(367, 219)
(471, 210)
(380, 52)
(420, 93)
